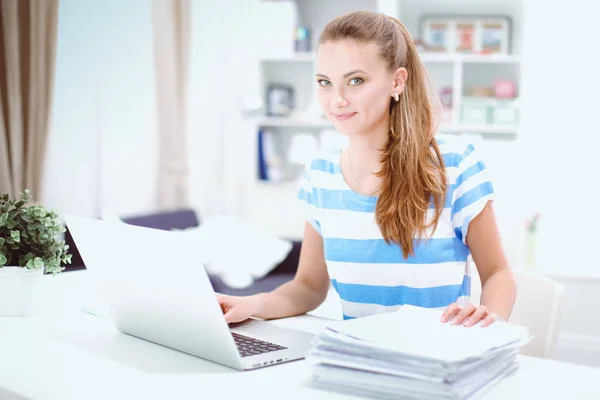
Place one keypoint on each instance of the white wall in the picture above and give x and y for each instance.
(557, 161)
(102, 146)
(561, 132)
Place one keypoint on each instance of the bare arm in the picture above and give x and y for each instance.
(498, 283)
(306, 291)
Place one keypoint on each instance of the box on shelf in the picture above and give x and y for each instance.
(279, 39)
(505, 112)
(475, 110)
(302, 40)
(479, 91)
(446, 101)
(489, 110)
(505, 89)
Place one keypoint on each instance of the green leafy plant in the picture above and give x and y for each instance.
(29, 236)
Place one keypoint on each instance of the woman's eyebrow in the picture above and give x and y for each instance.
(345, 75)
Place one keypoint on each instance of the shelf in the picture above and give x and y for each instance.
(426, 57)
(470, 58)
(482, 129)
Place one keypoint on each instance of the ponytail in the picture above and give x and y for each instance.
(413, 175)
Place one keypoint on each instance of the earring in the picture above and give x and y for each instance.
(396, 97)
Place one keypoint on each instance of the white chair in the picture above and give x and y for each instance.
(537, 306)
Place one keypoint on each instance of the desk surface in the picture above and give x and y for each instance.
(64, 353)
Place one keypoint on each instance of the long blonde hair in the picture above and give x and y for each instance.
(412, 174)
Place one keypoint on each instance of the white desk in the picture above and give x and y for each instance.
(64, 353)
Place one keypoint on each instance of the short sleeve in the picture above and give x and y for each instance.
(307, 197)
(471, 191)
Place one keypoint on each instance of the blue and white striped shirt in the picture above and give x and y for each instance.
(371, 276)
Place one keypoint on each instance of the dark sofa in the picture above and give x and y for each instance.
(182, 219)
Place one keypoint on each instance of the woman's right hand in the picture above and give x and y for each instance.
(236, 308)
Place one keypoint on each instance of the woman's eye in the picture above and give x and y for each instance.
(355, 81)
(324, 82)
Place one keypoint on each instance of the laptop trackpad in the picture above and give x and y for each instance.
(262, 330)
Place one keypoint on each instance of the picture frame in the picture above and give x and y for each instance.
(470, 34)
(280, 100)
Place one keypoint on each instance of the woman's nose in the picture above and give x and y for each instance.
(339, 100)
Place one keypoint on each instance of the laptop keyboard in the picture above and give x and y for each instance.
(248, 346)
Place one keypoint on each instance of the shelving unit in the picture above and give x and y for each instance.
(458, 71)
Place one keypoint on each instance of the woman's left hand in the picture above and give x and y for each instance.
(468, 315)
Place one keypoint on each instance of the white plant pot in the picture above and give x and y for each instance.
(20, 291)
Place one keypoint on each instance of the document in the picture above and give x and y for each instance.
(411, 353)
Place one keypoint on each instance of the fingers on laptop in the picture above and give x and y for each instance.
(226, 307)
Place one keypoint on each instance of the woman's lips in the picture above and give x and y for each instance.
(343, 117)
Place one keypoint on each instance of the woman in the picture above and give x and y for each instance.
(395, 215)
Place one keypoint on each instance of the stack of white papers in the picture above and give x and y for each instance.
(410, 354)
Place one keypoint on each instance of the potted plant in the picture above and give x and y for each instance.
(29, 247)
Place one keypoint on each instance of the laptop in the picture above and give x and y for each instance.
(157, 289)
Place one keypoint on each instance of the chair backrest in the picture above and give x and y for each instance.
(537, 306)
(165, 220)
